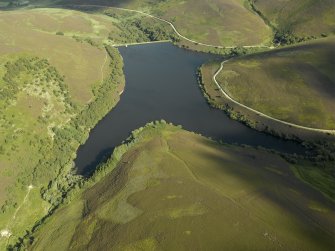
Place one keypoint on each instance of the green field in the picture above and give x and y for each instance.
(175, 190)
(295, 84)
(301, 18)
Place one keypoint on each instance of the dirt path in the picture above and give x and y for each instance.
(262, 114)
(103, 66)
(30, 187)
(168, 22)
(6, 232)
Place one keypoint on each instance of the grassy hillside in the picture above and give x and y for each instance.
(295, 84)
(56, 82)
(302, 18)
(41, 129)
(174, 190)
(35, 32)
(73, 41)
(217, 22)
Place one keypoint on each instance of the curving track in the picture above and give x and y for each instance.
(332, 132)
(262, 114)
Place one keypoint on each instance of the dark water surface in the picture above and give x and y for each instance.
(161, 83)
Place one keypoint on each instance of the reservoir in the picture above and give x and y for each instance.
(161, 83)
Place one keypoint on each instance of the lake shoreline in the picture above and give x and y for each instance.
(161, 83)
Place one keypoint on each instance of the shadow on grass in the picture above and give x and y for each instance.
(268, 178)
(283, 189)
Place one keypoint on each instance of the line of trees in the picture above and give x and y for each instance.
(67, 139)
(134, 29)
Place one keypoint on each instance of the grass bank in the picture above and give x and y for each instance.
(293, 84)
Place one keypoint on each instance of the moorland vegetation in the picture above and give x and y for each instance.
(165, 187)
(59, 75)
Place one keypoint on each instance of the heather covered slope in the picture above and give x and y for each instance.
(174, 190)
(216, 22)
(301, 18)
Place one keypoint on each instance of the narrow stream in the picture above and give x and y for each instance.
(161, 83)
